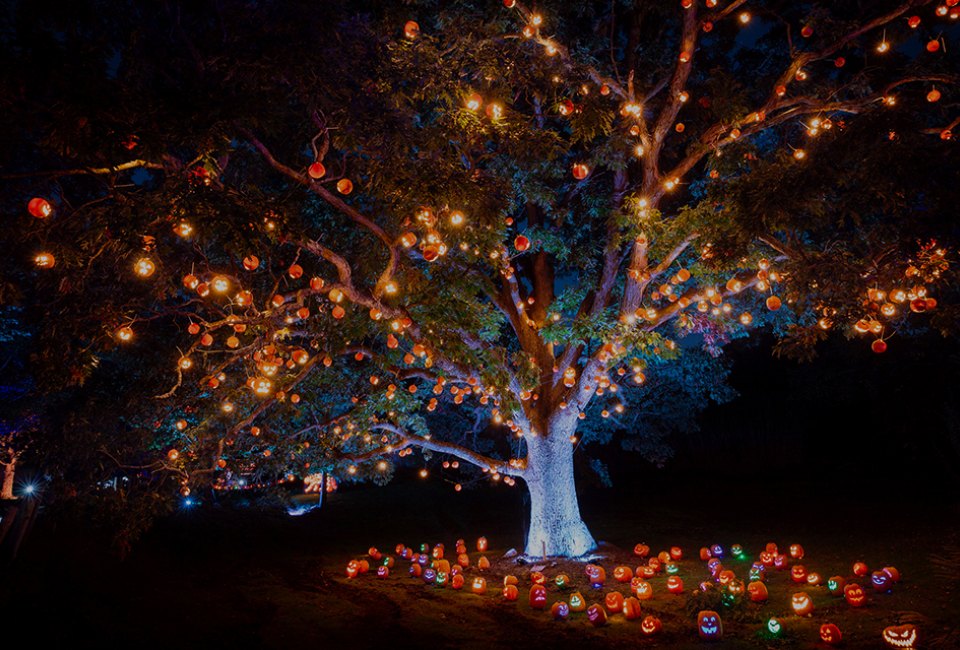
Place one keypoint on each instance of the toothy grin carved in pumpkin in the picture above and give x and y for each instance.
(900, 636)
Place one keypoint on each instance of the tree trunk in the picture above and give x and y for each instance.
(9, 469)
(556, 528)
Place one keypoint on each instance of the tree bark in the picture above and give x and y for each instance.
(9, 469)
(556, 528)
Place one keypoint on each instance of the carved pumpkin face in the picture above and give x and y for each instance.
(478, 586)
(663, 556)
(562, 580)
(780, 562)
(705, 554)
(672, 568)
(538, 597)
(813, 579)
(441, 565)
(758, 571)
(511, 593)
(900, 636)
(802, 603)
(642, 589)
(423, 559)
(537, 578)
(758, 591)
(676, 553)
(716, 550)
(646, 571)
(766, 558)
(596, 615)
(383, 571)
(442, 578)
(613, 601)
(631, 608)
(463, 560)
(424, 548)
(560, 610)
(771, 548)
(735, 587)
(737, 550)
(373, 552)
(654, 563)
(353, 569)
(456, 581)
(860, 569)
(774, 627)
(416, 570)
(714, 566)
(456, 569)
(482, 544)
(650, 625)
(892, 572)
(641, 550)
(798, 573)
(709, 625)
(836, 584)
(880, 581)
(675, 585)
(437, 552)
(429, 575)
(623, 574)
(796, 551)
(596, 574)
(854, 595)
(577, 603)
(388, 561)
(830, 634)
(725, 577)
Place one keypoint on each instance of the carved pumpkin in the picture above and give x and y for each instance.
(577, 602)
(560, 610)
(437, 552)
(737, 550)
(714, 566)
(801, 603)
(456, 570)
(483, 564)
(675, 585)
(836, 584)
(676, 553)
(538, 596)
(537, 578)
(796, 551)
(781, 562)
(717, 550)
(642, 589)
(663, 556)
(442, 578)
(482, 544)
(814, 579)
(613, 601)
(456, 581)
(705, 554)
(830, 634)
(383, 571)
(623, 574)
(774, 627)
(631, 608)
(442, 565)
(854, 595)
(353, 569)
(373, 552)
(429, 575)
(641, 550)
(798, 573)
(562, 581)
(758, 571)
(900, 636)
(510, 580)
(416, 570)
(645, 571)
(860, 569)
(881, 581)
(766, 558)
(463, 560)
(709, 625)
(510, 592)
(364, 566)
(757, 591)
(725, 577)
(650, 625)
(892, 572)
(596, 575)
(771, 548)
(654, 563)
(478, 586)
(596, 615)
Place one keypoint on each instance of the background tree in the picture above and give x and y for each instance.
(325, 239)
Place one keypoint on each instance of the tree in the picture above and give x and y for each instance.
(288, 224)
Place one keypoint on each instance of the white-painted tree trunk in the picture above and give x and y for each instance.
(556, 528)
(9, 469)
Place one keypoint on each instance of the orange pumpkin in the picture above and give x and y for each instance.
(854, 595)
(478, 586)
(613, 601)
(596, 615)
(900, 636)
(650, 625)
(801, 603)
(623, 574)
(538, 596)
(757, 591)
(830, 634)
(510, 592)
(483, 564)
(577, 602)
(631, 608)
(642, 589)
(709, 625)
(641, 550)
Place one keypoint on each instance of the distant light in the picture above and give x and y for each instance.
(29, 489)
(188, 502)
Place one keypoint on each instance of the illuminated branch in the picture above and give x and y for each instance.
(98, 171)
(463, 453)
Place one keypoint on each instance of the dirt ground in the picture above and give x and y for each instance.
(223, 577)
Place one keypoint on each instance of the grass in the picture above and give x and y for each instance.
(222, 576)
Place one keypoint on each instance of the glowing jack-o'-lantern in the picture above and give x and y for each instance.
(854, 595)
(709, 625)
(714, 566)
(577, 602)
(781, 561)
(881, 581)
(456, 581)
(860, 569)
(664, 557)
(538, 596)
(562, 581)
(830, 634)
(737, 550)
(416, 570)
(814, 579)
(798, 573)
(596, 575)
(642, 589)
(482, 544)
(39, 208)
(623, 574)
(560, 610)
(383, 571)
(725, 577)
(717, 550)
(597, 615)
(836, 584)
(631, 608)
(796, 551)
(892, 572)
(537, 578)
(766, 558)
(705, 554)
(645, 571)
(510, 580)
(613, 601)
(774, 626)
(676, 553)
(442, 578)
(641, 550)
(353, 569)
(483, 563)
(771, 547)
(511, 593)
(801, 603)
(650, 625)
(463, 560)
(429, 575)
(757, 591)
(478, 586)
(580, 171)
(364, 566)
(672, 568)
(437, 552)
(900, 636)
(675, 585)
